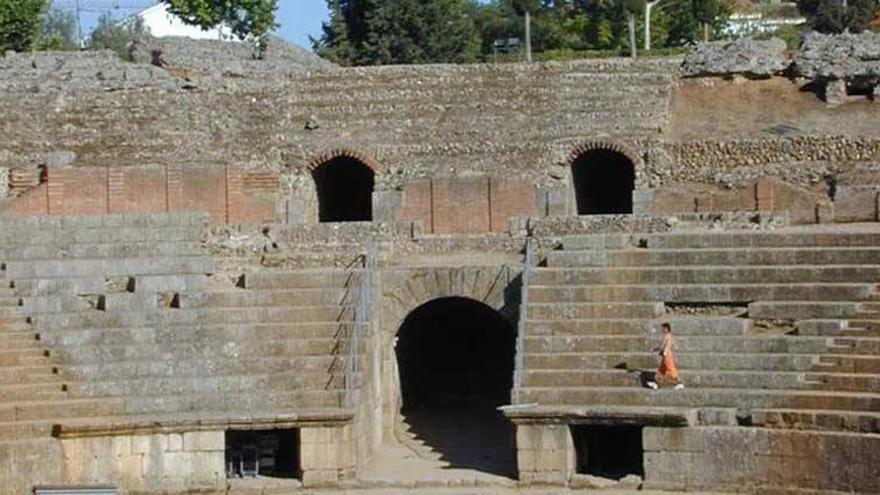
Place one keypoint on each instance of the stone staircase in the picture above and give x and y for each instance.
(125, 318)
(777, 329)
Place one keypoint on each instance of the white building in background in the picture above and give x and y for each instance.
(162, 23)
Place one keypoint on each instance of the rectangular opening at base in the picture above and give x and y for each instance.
(272, 453)
(609, 451)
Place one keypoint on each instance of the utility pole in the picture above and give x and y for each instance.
(648, 7)
(528, 37)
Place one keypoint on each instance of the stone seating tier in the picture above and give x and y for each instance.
(781, 326)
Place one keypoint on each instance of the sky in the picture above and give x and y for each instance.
(299, 19)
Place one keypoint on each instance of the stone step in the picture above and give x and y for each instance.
(139, 369)
(208, 316)
(830, 327)
(20, 341)
(32, 223)
(36, 287)
(841, 363)
(822, 420)
(109, 267)
(202, 350)
(742, 398)
(244, 402)
(31, 392)
(28, 374)
(259, 298)
(707, 275)
(56, 410)
(597, 242)
(70, 303)
(684, 344)
(635, 326)
(23, 430)
(120, 235)
(552, 311)
(687, 361)
(10, 301)
(137, 249)
(702, 292)
(301, 279)
(693, 379)
(781, 310)
(718, 257)
(231, 383)
(853, 382)
(169, 283)
(867, 237)
(170, 335)
(12, 313)
(22, 357)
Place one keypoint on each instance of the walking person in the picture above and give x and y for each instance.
(667, 369)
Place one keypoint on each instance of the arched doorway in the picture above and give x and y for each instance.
(345, 190)
(604, 180)
(456, 359)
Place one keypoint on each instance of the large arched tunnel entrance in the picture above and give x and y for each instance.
(604, 181)
(345, 190)
(456, 362)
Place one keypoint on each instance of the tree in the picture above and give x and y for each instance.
(836, 16)
(59, 31)
(706, 11)
(248, 19)
(20, 22)
(110, 34)
(370, 32)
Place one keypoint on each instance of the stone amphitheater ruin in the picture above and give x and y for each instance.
(434, 276)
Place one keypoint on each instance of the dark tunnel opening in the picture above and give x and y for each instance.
(456, 362)
(604, 181)
(345, 190)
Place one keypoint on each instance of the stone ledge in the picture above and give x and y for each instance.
(599, 415)
(102, 427)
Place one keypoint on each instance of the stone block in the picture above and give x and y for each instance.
(320, 477)
(318, 435)
(319, 456)
(202, 441)
(387, 206)
(835, 92)
(175, 442)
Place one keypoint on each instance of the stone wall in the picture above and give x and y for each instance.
(153, 462)
(750, 459)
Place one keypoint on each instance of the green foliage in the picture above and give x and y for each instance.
(110, 34)
(634, 6)
(830, 16)
(373, 32)
(59, 31)
(706, 11)
(20, 22)
(354, 34)
(248, 19)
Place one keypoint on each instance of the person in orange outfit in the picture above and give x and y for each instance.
(667, 368)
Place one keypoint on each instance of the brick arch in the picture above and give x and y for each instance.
(410, 290)
(603, 144)
(326, 156)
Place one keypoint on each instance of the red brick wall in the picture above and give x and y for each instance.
(150, 189)
(467, 205)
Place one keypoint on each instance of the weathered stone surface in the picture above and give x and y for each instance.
(221, 58)
(854, 58)
(743, 56)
